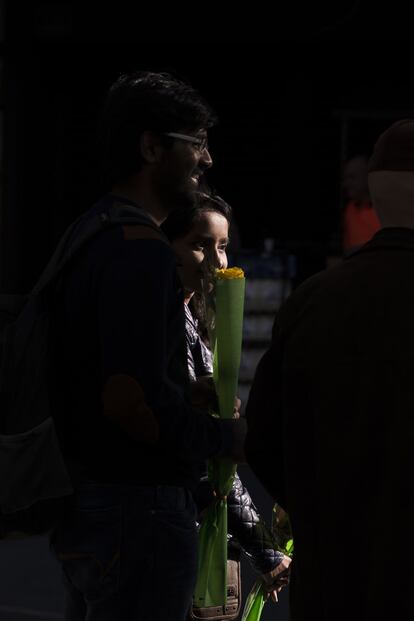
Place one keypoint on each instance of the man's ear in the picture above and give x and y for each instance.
(150, 146)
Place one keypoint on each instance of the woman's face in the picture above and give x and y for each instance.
(205, 243)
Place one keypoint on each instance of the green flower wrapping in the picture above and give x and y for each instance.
(224, 307)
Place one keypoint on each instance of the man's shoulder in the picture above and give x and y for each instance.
(125, 249)
(337, 276)
(312, 284)
(315, 290)
(136, 232)
(118, 215)
(132, 239)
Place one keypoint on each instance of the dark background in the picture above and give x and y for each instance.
(296, 93)
(297, 90)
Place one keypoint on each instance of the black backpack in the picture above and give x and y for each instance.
(35, 486)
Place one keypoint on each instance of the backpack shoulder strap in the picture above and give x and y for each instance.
(128, 216)
(85, 228)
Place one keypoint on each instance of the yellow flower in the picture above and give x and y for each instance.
(230, 273)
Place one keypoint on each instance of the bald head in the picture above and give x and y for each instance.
(394, 149)
(392, 194)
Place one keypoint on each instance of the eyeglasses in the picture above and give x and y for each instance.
(200, 142)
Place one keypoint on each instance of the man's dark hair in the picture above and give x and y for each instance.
(143, 101)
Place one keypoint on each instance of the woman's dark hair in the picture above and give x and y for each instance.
(179, 223)
(145, 101)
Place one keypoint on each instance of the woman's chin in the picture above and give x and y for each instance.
(198, 288)
(189, 291)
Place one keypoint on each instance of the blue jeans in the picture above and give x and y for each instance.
(128, 553)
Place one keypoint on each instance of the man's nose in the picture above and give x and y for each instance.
(206, 161)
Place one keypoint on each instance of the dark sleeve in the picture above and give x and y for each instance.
(264, 443)
(251, 532)
(137, 296)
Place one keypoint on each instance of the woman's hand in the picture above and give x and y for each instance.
(237, 406)
(278, 578)
(203, 394)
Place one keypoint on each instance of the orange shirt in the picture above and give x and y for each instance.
(360, 224)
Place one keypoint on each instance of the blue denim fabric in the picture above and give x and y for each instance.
(128, 553)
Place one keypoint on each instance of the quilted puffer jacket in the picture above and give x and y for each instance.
(245, 525)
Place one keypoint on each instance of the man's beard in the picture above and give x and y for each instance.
(173, 198)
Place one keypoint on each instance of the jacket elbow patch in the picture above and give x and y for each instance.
(123, 402)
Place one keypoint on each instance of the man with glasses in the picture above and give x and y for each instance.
(201, 142)
(128, 546)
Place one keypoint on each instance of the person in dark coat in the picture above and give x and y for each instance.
(120, 391)
(331, 413)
